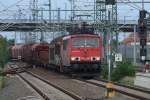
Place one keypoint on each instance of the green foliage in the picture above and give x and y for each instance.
(3, 52)
(2, 81)
(104, 72)
(123, 69)
(114, 42)
(11, 42)
(127, 81)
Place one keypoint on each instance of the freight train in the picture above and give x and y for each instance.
(75, 53)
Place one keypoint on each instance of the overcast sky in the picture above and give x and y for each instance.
(123, 9)
(9, 9)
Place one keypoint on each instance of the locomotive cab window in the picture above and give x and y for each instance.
(65, 42)
(85, 42)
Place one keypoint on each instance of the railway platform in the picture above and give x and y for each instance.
(142, 80)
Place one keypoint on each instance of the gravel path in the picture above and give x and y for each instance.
(16, 89)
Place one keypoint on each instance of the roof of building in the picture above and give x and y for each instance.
(130, 38)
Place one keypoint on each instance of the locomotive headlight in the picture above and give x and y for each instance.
(95, 58)
(73, 58)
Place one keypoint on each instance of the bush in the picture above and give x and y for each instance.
(104, 72)
(123, 69)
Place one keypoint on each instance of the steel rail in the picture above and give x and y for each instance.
(35, 88)
(119, 90)
(127, 86)
(74, 96)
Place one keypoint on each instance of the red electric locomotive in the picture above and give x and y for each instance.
(77, 53)
(81, 51)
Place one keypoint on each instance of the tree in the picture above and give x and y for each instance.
(3, 57)
(11, 42)
(3, 52)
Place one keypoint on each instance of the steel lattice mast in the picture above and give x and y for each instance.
(104, 21)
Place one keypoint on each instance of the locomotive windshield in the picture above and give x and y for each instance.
(85, 42)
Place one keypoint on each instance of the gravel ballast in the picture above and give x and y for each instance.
(16, 89)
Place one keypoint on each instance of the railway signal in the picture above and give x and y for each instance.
(142, 30)
(110, 2)
(143, 53)
(142, 14)
(143, 42)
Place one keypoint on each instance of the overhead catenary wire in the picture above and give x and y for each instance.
(134, 4)
(7, 8)
(2, 4)
(13, 13)
(130, 5)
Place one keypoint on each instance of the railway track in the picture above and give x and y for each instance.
(74, 96)
(127, 86)
(35, 88)
(134, 92)
(13, 68)
(86, 82)
(126, 90)
(43, 90)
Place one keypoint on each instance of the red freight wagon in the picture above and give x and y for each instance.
(10, 51)
(40, 53)
(17, 52)
(27, 52)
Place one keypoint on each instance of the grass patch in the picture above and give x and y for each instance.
(127, 81)
(2, 82)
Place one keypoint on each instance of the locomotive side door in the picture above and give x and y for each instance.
(51, 54)
(58, 59)
(65, 52)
